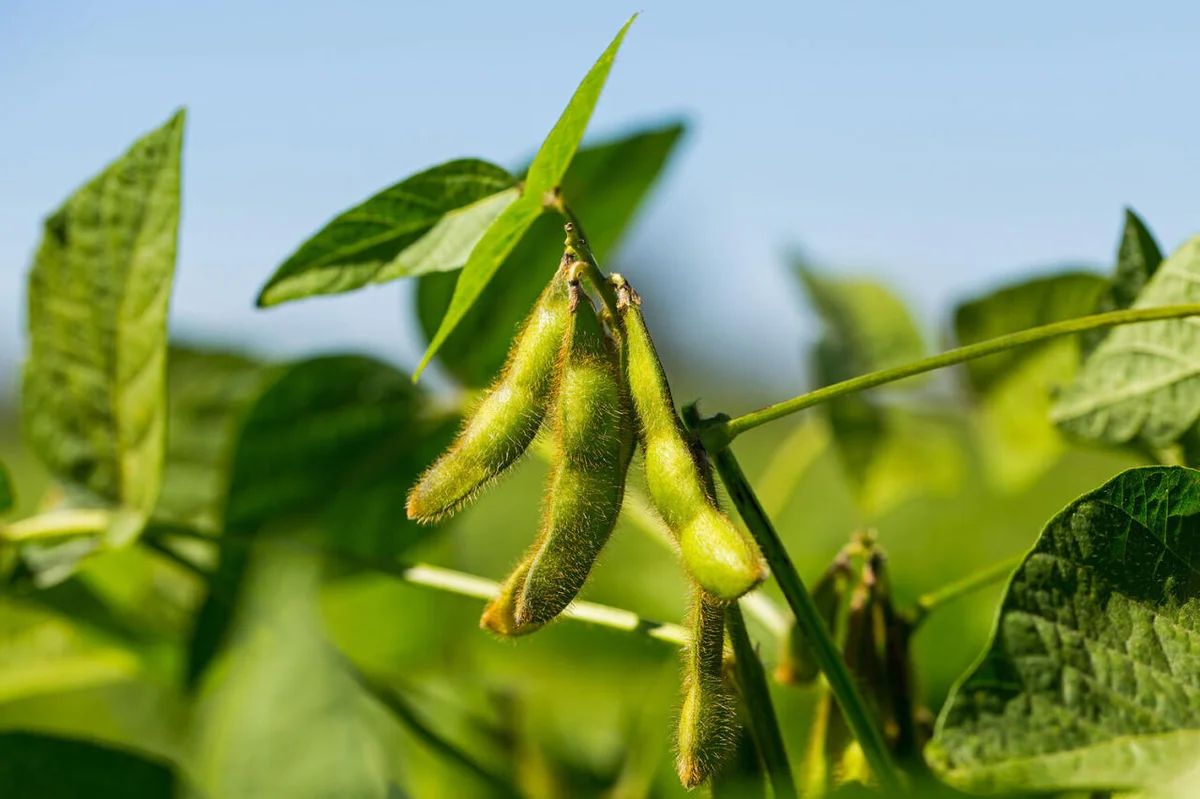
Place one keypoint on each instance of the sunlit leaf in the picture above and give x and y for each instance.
(1142, 381)
(1138, 258)
(332, 446)
(36, 766)
(1015, 389)
(605, 186)
(426, 223)
(95, 381)
(545, 174)
(1092, 678)
(284, 718)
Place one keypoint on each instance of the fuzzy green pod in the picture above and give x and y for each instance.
(798, 663)
(505, 421)
(719, 556)
(499, 616)
(708, 720)
(593, 438)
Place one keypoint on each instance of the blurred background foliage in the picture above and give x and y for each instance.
(231, 661)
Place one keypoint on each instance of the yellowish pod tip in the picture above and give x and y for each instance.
(506, 419)
(499, 615)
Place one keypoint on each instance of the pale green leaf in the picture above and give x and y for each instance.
(426, 223)
(605, 186)
(552, 159)
(1015, 389)
(1142, 381)
(545, 174)
(284, 718)
(1092, 677)
(95, 381)
(34, 766)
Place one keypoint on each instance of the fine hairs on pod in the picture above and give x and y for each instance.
(719, 556)
(593, 444)
(708, 719)
(506, 419)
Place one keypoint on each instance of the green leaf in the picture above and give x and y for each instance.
(285, 718)
(209, 393)
(1092, 677)
(1141, 382)
(605, 185)
(426, 223)
(7, 496)
(545, 174)
(1015, 389)
(1138, 258)
(332, 445)
(36, 766)
(95, 381)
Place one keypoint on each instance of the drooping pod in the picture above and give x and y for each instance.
(708, 721)
(798, 663)
(593, 439)
(505, 421)
(718, 555)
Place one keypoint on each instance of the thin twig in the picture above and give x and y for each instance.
(940, 597)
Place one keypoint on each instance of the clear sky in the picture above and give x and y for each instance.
(943, 145)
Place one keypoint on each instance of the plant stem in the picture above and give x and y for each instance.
(756, 694)
(808, 618)
(412, 721)
(57, 524)
(934, 600)
(719, 432)
(463, 584)
(577, 243)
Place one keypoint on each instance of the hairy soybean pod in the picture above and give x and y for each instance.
(500, 614)
(507, 418)
(798, 663)
(593, 430)
(718, 555)
(708, 720)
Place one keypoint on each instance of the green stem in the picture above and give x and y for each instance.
(57, 524)
(756, 694)
(412, 721)
(808, 618)
(934, 600)
(470, 585)
(577, 243)
(719, 432)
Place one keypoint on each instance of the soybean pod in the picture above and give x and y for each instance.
(506, 419)
(718, 555)
(708, 721)
(593, 440)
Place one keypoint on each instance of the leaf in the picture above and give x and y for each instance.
(34, 766)
(7, 496)
(425, 223)
(1015, 389)
(1138, 258)
(1092, 677)
(95, 380)
(209, 392)
(332, 445)
(545, 174)
(285, 719)
(605, 184)
(1141, 382)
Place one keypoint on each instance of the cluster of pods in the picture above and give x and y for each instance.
(595, 380)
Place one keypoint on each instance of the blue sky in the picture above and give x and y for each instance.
(945, 146)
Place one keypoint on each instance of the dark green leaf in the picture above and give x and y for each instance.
(285, 719)
(545, 174)
(1141, 382)
(1015, 389)
(332, 444)
(7, 495)
(34, 766)
(1092, 678)
(209, 391)
(426, 223)
(95, 381)
(605, 185)
(1138, 258)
